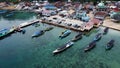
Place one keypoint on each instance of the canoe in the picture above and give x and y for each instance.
(106, 30)
(77, 37)
(38, 33)
(65, 34)
(6, 31)
(110, 44)
(90, 46)
(98, 37)
(63, 47)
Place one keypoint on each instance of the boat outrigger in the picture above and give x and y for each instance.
(90, 46)
(64, 47)
(110, 44)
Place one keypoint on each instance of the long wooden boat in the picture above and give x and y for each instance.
(77, 37)
(90, 46)
(63, 47)
(106, 30)
(98, 37)
(110, 44)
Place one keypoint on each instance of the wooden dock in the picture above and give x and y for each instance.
(22, 25)
(63, 26)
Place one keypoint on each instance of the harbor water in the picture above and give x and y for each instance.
(22, 51)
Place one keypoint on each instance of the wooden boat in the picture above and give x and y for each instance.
(90, 46)
(38, 33)
(6, 31)
(98, 37)
(62, 48)
(65, 34)
(106, 30)
(110, 44)
(77, 37)
(49, 28)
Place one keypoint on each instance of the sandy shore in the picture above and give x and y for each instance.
(110, 24)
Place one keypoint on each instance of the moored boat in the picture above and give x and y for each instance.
(110, 44)
(49, 28)
(77, 37)
(63, 47)
(98, 37)
(90, 46)
(65, 34)
(106, 30)
(38, 33)
(6, 31)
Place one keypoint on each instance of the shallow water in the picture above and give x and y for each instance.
(21, 51)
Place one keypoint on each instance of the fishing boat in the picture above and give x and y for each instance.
(49, 28)
(98, 37)
(63, 47)
(6, 31)
(38, 33)
(110, 44)
(90, 46)
(65, 34)
(77, 37)
(106, 30)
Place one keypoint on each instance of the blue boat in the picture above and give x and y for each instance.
(110, 44)
(3, 11)
(98, 37)
(38, 33)
(65, 34)
(6, 31)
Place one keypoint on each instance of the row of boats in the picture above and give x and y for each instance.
(90, 46)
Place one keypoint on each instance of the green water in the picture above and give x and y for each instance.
(21, 51)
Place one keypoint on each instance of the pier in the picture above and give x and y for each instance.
(63, 26)
(22, 25)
